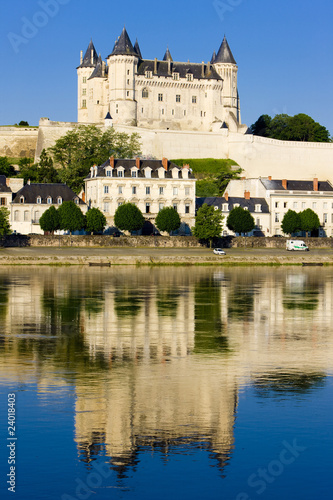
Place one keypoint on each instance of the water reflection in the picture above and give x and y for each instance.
(158, 357)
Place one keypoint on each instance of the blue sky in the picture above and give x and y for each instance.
(283, 50)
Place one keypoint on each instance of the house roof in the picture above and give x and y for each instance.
(232, 200)
(86, 62)
(224, 54)
(179, 67)
(292, 185)
(123, 45)
(32, 191)
(128, 164)
(3, 185)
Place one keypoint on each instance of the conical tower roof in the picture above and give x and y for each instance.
(224, 54)
(98, 71)
(167, 55)
(123, 46)
(87, 62)
(137, 48)
(213, 59)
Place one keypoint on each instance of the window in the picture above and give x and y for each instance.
(175, 191)
(194, 99)
(175, 206)
(225, 207)
(277, 217)
(145, 94)
(235, 205)
(257, 208)
(187, 208)
(161, 190)
(147, 208)
(295, 204)
(258, 223)
(39, 200)
(3, 201)
(120, 173)
(184, 112)
(160, 97)
(303, 205)
(173, 112)
(149, 74)
(128, 71)
(162, 111)
(84, 91)
(84, 103)
(276, 204)
(76, 200)
(106, 189)
(175, 76)
(148, 173)
(84, 79)
(128, 82)
(37, 216)
(325, 219)
(59, 200)
(189, 77)
(120, 189)
(108, 173)
(16, 215)
(49, 200)
(314, 205)
(106, 207)
(127, 94)
(134, 190)
(120, 203)
(133, 173)
(285, 204)
(177, 98)
(147, 190)
(26, 215)
(325, 205)
(160, 206)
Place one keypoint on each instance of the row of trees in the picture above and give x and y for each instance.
(293, 222)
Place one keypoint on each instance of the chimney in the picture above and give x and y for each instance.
(186, 165)
(83, 197)
(226, 196)
(92, 56)
(165, 163)
(28, 182)
(247, 195)
(137, 162)
(103, 68)
(169, 67)
(269, 177)
(284, 183)
(208, 68)
(112, 161)
(7, 182)
(81, 57)
(155, 65)
(203, 69)
(315, 184)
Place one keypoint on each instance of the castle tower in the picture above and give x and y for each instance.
(122, 64)
(226, 66)
(87, 65)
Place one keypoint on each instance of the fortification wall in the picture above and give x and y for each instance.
(258, 156)
(18, 142)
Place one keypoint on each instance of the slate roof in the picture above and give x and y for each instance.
(178, 67)
(167, 55)
(128, 164)
(32, 191)
(86, 62)
(224, 54)
(108, 116)
(276, 185)
(123, 45)
(3, 185)
(137, 48)
(98, 71)
(232, 200)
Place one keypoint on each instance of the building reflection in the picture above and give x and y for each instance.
(158, 356)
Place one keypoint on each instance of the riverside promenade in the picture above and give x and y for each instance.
(160, 256)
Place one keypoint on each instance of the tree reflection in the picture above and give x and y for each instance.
(4, 291)
(288, 383)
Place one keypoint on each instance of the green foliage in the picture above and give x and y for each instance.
(23, 123)
(6, 168)
(213, 174)
(41, 172)
(309, 220)
(167, 220)
(208, 223)
(50, 220)
(300, 127)
(240, 220)
(291, 222)
(128, 217)
(71, 217)
(4, 221)
(95, 221)
(85, 146)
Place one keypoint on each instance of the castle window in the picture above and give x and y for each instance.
(127, 93)
(194, 99)
(84, 91)
(162, 111)
(173, 112)
(149, 74)
(76, 200)
(49, 200)
(106, 207)
(84, 79)
(145, 93)
(160, 97)
(84, 103)
(177, 98)
(128, 82)
(37, 216)
(128, 71)
(277, 217)
(148, 173)
(97, 102)
(184, 112)
(190, 77)
(175, 76)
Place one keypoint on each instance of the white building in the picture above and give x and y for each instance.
(159, 94)
(282, 195)
(149, 184)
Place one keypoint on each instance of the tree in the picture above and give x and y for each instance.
(79, 149)
(5, 167)
(23, 123)
(225, 175)
(43, 171)
(4, 221)
(128, 217)
(208, 223)
(240, 220)
(261, 126)
(50, 220)
(95, 221)
(71, 217)
(167, 220)
(291, 222)
(309, 220)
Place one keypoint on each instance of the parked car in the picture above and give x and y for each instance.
(219, 251)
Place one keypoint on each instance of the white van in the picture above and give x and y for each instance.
(297, 245)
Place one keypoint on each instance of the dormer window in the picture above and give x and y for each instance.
(59, 200)
(120, 172)
(257, 208)
(175, 76)
(175, 173)
(134, 172)
(108, 173)
(49, 200)
(235, 205)
(148, 74)
(189, 77)
(148, 172)
(225, 207)
(76, 200)
(39, 199)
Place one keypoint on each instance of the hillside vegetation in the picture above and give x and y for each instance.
(213, 174)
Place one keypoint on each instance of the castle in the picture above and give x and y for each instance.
(158, 94)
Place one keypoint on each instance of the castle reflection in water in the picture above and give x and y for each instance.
(159, 356)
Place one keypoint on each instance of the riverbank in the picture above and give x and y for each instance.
(69, 256)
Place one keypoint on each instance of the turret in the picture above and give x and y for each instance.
(87, 65)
